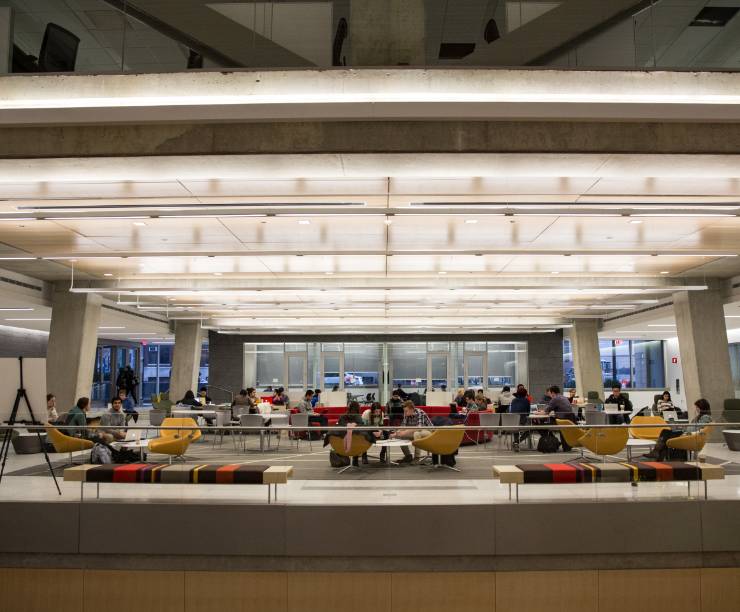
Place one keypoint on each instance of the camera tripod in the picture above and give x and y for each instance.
(8, 434)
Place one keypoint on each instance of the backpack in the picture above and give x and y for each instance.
(548, 443)
(100, 454)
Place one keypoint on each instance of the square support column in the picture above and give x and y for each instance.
(185, 358)
(584, 339)
(73, 340)
(703, 346)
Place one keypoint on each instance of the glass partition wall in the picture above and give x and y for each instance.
(365, 369)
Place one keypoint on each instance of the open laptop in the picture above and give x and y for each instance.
(133, 435)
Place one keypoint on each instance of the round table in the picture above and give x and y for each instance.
(391, 443)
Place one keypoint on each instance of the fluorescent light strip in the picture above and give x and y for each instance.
(28, 319)
(16, 309)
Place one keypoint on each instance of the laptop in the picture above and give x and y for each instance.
(133, 435)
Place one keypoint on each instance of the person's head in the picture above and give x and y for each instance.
(353, 407)
(395, 395)
(189, 395)
(553, 391)
(281, 390)
(51, 400)
(666, 396)
(479, 393)
(702, 407)
(83, 403)
(469, 394)
(572, 392)
(309, 394)
(203, 391)
(506, 389)
(616, 390)
(521, 391)
(250, 391)
(460, 391)
(317, 392)
(243, 393)
(408, 408)
(376, 408)
(116, 404)
(122, 394)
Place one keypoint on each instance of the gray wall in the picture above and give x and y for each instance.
(19, 343)
(545, 354)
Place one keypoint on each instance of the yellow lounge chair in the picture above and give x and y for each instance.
(692, 443)
(605, 440)
(572, 435)
(648, 433)
(443, 441)
(66, 444)
(360, 445)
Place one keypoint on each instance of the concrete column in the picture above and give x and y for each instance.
(73, 339)
(185, 358)
(702, 344)
(6, 39)
(387, 32)
(584, 339)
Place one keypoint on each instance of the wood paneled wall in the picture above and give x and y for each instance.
(678, 590)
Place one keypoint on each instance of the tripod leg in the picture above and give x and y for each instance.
(4, 450)
(48, 462)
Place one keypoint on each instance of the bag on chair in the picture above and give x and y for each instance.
(336, 460)
(100, 454)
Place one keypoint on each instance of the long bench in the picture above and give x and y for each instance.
(574, 473)
(166, 473)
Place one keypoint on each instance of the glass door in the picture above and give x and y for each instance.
(297, 371)
(332, 366)
(475, 371)
(437, 371)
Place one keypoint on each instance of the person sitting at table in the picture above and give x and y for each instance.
(412, 417)
(279, 397)
(401, 393)
(519, 387)
(305, 404)
(242, 404)
(77, 418)
(203, 396)
(623, 403)
(520, 405)
(395, 406)
(316, 399)
(470, 404)
(665, 402)
(481, 400)
(460, 399)
(51, 408)
(703, 416)
(189, 400)
(572, 396)
(114, 417)
(504, 399)
(128, 406)
(559, 407)
(374, 417)
(352, 416)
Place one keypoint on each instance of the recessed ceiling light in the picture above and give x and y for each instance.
(665, 272)
(635, 222)
(441, 272)
(387, 221)
(107, 274)
(329, 273)
(218, 274)
(554, 272)
(471, 221)
(139, 223)
(15, 309)
(304, 222)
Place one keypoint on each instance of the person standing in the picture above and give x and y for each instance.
(128, 380)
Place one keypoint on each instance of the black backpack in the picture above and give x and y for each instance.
(548, 443)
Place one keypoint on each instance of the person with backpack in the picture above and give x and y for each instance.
(703, 416)
(520, 405)
(77, 421)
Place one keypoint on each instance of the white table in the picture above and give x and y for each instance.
(140, 444)
(637, 443)
(188, 412)
(389, 444)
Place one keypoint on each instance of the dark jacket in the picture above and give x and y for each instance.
(621, 400)
(520, 405)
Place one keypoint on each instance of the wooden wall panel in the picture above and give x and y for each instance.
(676, 590)
(124, 591)
(339, 592)
(236, 592)
(41, 590)
(443, 592)
(556, 591)
(720, 589)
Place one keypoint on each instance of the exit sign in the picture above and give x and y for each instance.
(674, 359)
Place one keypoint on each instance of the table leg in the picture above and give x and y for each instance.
(517, 492)
(705, 489)
(97, 494)
(269, 494)
(509, 491)
(82, 489)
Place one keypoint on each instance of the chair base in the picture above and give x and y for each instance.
(344, 469)
(443, 465)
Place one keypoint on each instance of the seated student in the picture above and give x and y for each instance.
(316, 399)
(401, 393)
(460, 399)
(395, 405)
(504, 399)
(470, 404)
(481, 400)
(559, 407)
(280, 398)
(520, 405)
(703, 416)
(189, 400)
(374, 417)
(620, 400)
(572, 396)
(519, 387)
(77, 418)
(51, 409)
(241, 404)
(305, 404)
(114, 417)
(353, 416)
(412, 417)
(665, 402)
(129, 408)
(203, 396)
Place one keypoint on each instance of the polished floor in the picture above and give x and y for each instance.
(316, 482)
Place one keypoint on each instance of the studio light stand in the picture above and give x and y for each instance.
(8, 436)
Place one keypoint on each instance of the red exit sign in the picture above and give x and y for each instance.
(674, 359)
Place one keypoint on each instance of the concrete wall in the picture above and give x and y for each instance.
(17, 342)
(545, 354)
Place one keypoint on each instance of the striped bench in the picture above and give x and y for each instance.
(573, 473)
(166, 473)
